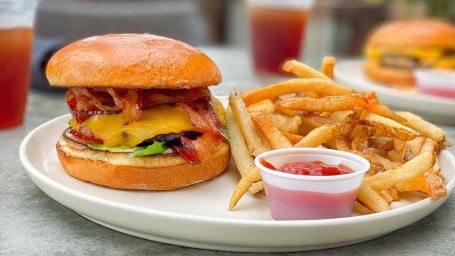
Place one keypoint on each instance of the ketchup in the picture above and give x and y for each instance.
(312, 168)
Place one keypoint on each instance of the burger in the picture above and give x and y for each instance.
(143, 117)
(394, 49)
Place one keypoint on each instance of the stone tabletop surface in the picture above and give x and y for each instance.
(31, 223)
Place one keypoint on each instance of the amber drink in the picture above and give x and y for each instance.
(16, 37)
(277, 31)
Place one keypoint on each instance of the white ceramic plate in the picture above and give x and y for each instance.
(432, 108)
(197, 216)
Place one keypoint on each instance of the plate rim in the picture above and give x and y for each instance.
(38, 174)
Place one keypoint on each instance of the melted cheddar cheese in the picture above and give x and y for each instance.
(162, 119)
(435, 57)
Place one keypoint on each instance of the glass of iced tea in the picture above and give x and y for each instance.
(277, 29)
(16, 37)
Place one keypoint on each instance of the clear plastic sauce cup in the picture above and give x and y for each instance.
(436, 82)
(300, 197)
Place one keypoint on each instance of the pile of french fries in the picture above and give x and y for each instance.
(312, 110)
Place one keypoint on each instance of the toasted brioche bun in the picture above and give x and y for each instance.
(157, 172)
(133, 61)
(420, 39)
(413, 33)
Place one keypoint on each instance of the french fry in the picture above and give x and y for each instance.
(315, 85)
(389, 126)
(317, 136)
(324, 104)
(429, 183)
(303, 70)
(244, 184)
(359, 208)
(292, 137)
(426, 128)
(415, 167)
(285, 123)
(375, 107)
(264, 105)
(274, 137)
(372, 199)
(328, 64)
(240, 153)
(255, 143)
(360, 139)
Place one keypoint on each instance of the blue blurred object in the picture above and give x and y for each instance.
(43, 48)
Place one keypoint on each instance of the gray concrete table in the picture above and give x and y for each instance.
(31, 223)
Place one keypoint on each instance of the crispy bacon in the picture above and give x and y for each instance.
(130, 103)
(168, 96)
(186, 150)
(202, 117)
(84, 137)
(84, 102)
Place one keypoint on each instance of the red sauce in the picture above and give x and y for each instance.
(288, 204)
(312, 168)
(15, 55)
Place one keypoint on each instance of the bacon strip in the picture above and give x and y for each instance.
(202, 117)
(84, 102)
(130, 103)
(187, 150)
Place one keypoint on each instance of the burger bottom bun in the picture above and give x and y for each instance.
(389, 76)
(157, 172)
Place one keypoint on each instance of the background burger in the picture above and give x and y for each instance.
(142, 114)
(394, 49)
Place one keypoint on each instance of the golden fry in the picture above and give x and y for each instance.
(324, 104)
(375, 107)
(328, 64)
(372, 199)
(257, 187)
(270, 132)
(303, 70)
(316, 85)
(389, 126)
(264, 105)
(359, 208)
(317, 136)
(426, 128)
(360, 139)
(243, 185)
(286, 123)
(239, 150)
(255, 143)
(417, 166)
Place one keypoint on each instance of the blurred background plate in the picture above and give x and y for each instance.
(435, 109)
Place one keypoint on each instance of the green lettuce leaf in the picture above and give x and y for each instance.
(153, 149)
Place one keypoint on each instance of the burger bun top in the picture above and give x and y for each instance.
(413, 33)
(131, 61)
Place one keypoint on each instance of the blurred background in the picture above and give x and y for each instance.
(336, 27)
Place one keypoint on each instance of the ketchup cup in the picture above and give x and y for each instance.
(299, 197)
